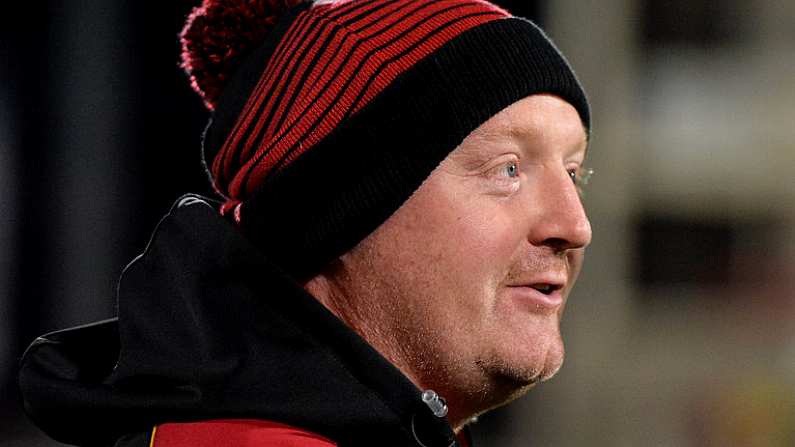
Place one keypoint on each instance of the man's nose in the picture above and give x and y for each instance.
(562, 223)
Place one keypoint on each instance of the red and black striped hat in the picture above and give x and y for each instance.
(346, 106)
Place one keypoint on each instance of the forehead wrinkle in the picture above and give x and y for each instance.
(526, 127)
(529, 128)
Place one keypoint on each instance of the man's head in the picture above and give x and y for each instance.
(464, 286)
(411, 163)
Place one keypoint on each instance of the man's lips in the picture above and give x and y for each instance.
(544, 294)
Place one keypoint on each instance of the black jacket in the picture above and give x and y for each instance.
(209, 329)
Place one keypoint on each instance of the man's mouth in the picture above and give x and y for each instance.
(542, 294)
(546, 288)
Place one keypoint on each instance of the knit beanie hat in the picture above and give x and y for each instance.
(328, 115)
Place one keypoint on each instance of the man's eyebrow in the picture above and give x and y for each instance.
(484, 142)
(474, 156)
(527, 129)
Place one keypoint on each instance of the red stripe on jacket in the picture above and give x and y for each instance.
(235, 432)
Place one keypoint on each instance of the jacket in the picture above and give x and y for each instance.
(209, 329)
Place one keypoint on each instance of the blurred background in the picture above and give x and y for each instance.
(681, 331)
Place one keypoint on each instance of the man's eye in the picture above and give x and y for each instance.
(511, 170)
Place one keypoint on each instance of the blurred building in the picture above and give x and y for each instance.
(681, 331)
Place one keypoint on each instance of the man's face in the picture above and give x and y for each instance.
(464, 286)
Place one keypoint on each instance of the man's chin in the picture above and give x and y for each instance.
(528, 377)
(511, 381)
(550, 370)
(511, 385)
(524, 373)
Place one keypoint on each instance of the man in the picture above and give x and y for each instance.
(400, 231)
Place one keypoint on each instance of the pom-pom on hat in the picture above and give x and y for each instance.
(328, 115)
(218, 36)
